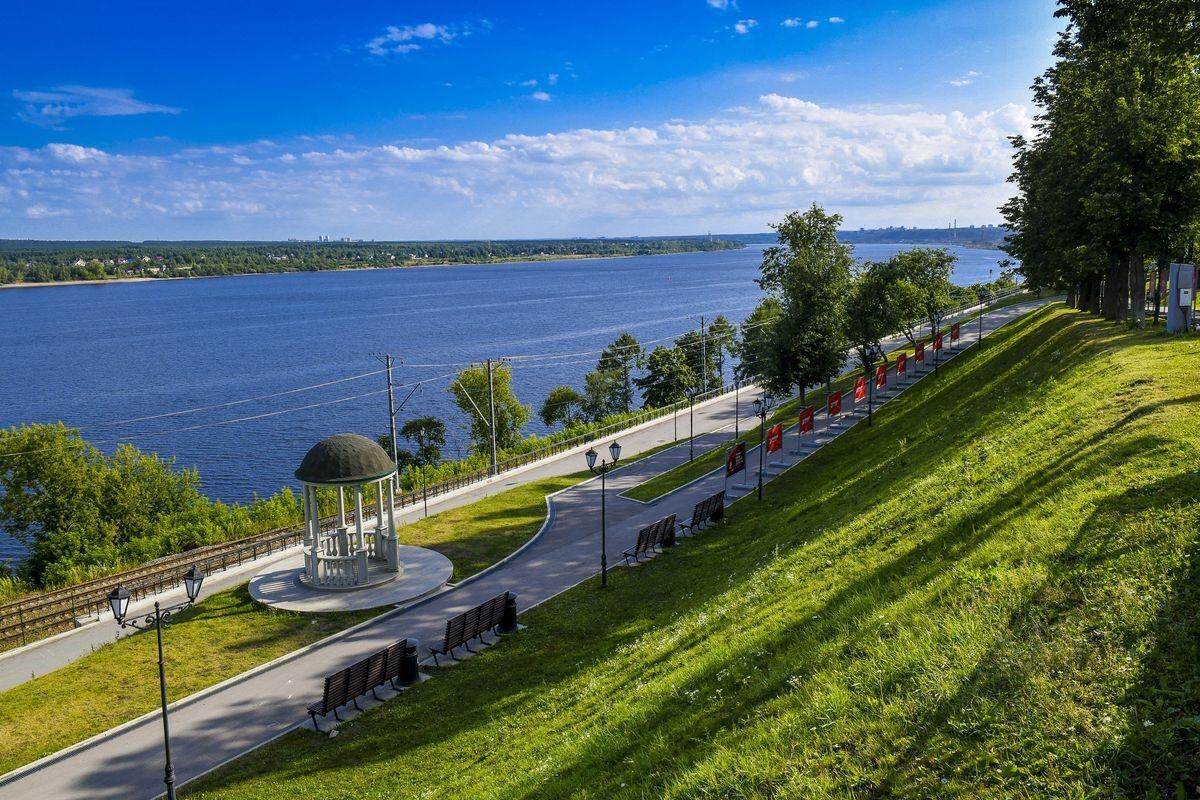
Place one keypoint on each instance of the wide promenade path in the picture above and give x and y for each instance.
(249, 710)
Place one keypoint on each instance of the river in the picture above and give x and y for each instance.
(105, 357)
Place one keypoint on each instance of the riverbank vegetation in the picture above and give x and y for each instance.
(1110, 179)
(1026, 628)
(48, 262)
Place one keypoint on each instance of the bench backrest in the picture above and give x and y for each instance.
(334, 695)
(377, 669)
(666, 527)
(393, 658)
(717, 510)
(643, 539)
(454, 632)
(471, 627)
(699, 512)
(357, 680)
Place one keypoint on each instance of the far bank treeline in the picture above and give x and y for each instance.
(1108, 184)
(82, 513)
(46, 262)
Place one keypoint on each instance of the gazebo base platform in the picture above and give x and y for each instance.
(283, 586)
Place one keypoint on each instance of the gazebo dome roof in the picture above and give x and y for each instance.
(345, 458)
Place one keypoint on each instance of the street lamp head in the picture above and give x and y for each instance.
(614, 450)
(758, 406)
(590, 455)
(191, 582)
(118, 600)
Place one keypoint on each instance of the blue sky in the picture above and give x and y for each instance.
(428, 120)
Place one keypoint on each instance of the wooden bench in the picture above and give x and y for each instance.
(498, 614)
(711, 509)
(656, 534)
(395, 663)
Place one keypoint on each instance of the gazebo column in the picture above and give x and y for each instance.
(392, 506)
(358, 515)
(341, 508)
(393, 539)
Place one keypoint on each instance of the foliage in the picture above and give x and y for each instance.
(722, 340)
(809, 274)
(755, 350)
(471, 392)
(621, 358)
(668, 377)
(919, 287)
(429, 436)
(873, 313)
(563, 406)
(42, 262)
(79, 511)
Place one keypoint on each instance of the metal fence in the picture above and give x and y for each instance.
(32, 618)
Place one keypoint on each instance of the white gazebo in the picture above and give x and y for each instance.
(349, 557)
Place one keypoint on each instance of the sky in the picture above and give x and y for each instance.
(408, 120)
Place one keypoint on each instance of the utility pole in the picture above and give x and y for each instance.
(703, 356)
(492, 414)
(387, 359)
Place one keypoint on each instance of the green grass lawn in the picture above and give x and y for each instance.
(991, 592)
(686, 473)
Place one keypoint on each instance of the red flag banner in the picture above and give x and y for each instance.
(860, 389)
(806, 419)
(902, 364)
(881, 376)
(937, 342)
(919, 355)
(834, 404)
(954, 332)
(735, 459)
(775, 438)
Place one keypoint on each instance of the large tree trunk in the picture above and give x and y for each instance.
(1071, 296)
(1137, 287)
(1160, 281)
(1096, 300)
(1108, 303)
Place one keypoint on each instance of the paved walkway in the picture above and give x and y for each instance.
(221, 723)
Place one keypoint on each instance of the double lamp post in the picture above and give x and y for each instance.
(614, 450)
(119, 599)
(762, 407)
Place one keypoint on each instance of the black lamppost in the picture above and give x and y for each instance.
(614, 450)
(118, 599)
(982, 298)
(762, 407)
(691, 395)
(737, 412)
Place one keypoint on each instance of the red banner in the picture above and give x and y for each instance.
(834, 404)
(902, 364)
(806, 419)
(881, 376)
(919, 355)
(735, 459)
(937, 342)
(860, 389)
(775, 438)
(954, 332)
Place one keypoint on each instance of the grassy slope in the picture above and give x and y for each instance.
(786, 413)
(989, 593)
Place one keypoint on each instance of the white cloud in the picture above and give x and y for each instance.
(964, 80)
(542, 96)
(812, 23)
(402, 39)
(552, 79)
(792, 22)
(720, 5)
(529, 83)
(836, 20)
(738, 171)
(54, 106)
(743, 26)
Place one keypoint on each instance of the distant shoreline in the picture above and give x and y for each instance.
(513, 260)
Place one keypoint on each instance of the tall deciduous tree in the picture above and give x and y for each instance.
(470, 392)
(622, 358)
(809, 274)
(564, 405)
(668, 377)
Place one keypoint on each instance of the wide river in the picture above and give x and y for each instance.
(134, 361)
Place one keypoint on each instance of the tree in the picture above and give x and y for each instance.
(429, 435)
(872, 312)
(563, 406)
(809, 274)
(702, 360)
(722, 338)
(922, 278)
(757, 344)
(470, 392)
(668, 377)
(622, 357)
(603, 394)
